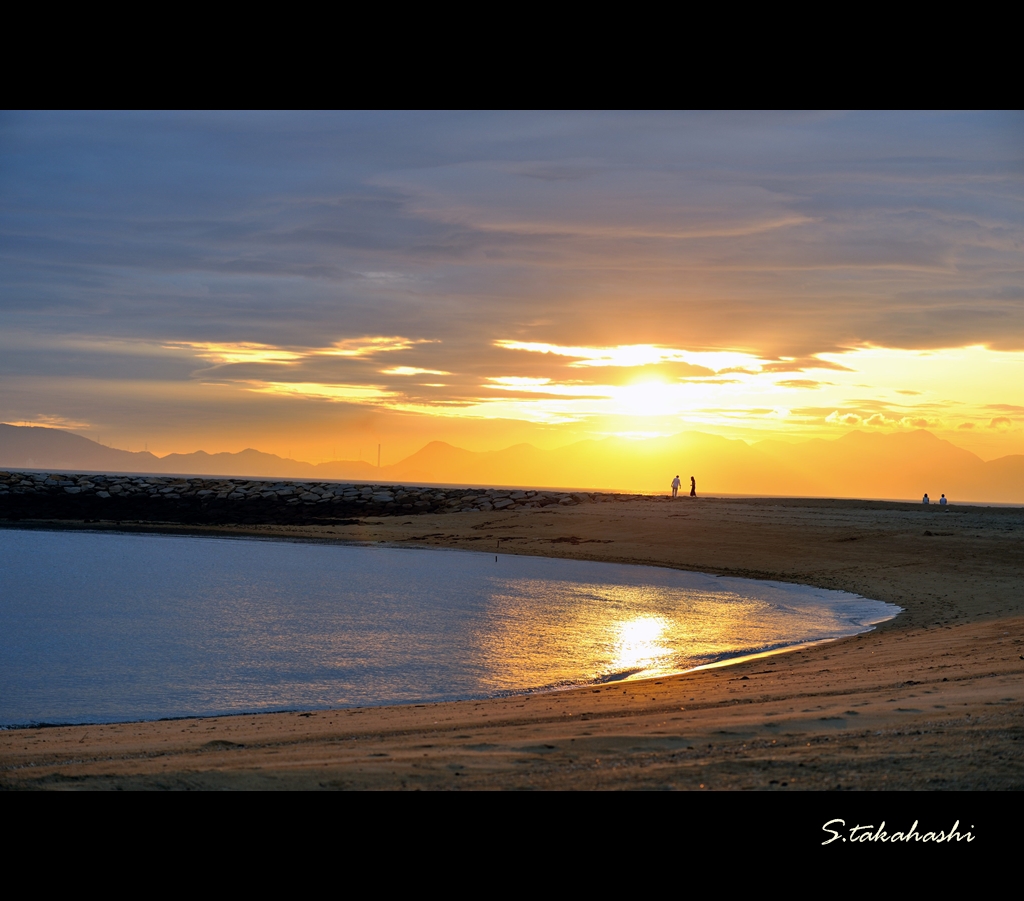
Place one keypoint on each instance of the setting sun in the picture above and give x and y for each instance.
(560, 295)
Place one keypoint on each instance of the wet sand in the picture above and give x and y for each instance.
(931, 700)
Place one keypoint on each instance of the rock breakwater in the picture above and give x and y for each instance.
(96, 497)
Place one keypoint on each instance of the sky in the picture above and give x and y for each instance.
(316, 284)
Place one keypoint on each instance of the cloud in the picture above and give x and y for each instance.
(1001, 423)
(801, 383)
(285, 218)
(368, 347)
(747, 412)
(555, 171)
(347, 393)
(53, 422)
(412, 370)
(296, 248)
(520, 382)
(234, 356)
(801, 364)
(628, 355)
(238, 352)
(843, 418)
(881, 420)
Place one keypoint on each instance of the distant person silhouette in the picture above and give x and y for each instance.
(942, 501)
(675, 486)
(925, 500)
(693, 487)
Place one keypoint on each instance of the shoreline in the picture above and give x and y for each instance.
(612, 680)
(933, 698)
(853, 615)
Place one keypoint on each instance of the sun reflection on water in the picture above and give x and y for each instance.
(638, 644)
(551, 633)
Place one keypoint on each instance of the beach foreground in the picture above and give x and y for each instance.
(931, 700)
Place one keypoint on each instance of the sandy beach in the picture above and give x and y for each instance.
(931, 700)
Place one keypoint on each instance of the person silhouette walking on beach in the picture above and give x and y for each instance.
(675, 486)
(693, 487)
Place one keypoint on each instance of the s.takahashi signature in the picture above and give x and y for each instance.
(869, 833)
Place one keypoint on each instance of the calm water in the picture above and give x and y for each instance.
(99, 627)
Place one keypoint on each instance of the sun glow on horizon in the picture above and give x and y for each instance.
(297, 282)
(973, 394)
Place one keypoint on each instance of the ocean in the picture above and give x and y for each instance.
(110, 627)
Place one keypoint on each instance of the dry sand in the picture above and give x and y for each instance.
(931, 700)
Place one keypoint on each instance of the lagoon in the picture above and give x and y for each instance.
(108, 627)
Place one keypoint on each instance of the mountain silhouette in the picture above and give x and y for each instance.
(899, 465)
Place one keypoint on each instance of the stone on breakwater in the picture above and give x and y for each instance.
(223, 500)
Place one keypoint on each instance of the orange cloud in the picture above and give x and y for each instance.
(237, 352)
(367, 347)
(412, 370)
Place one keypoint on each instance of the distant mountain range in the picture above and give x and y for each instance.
(901, 465)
